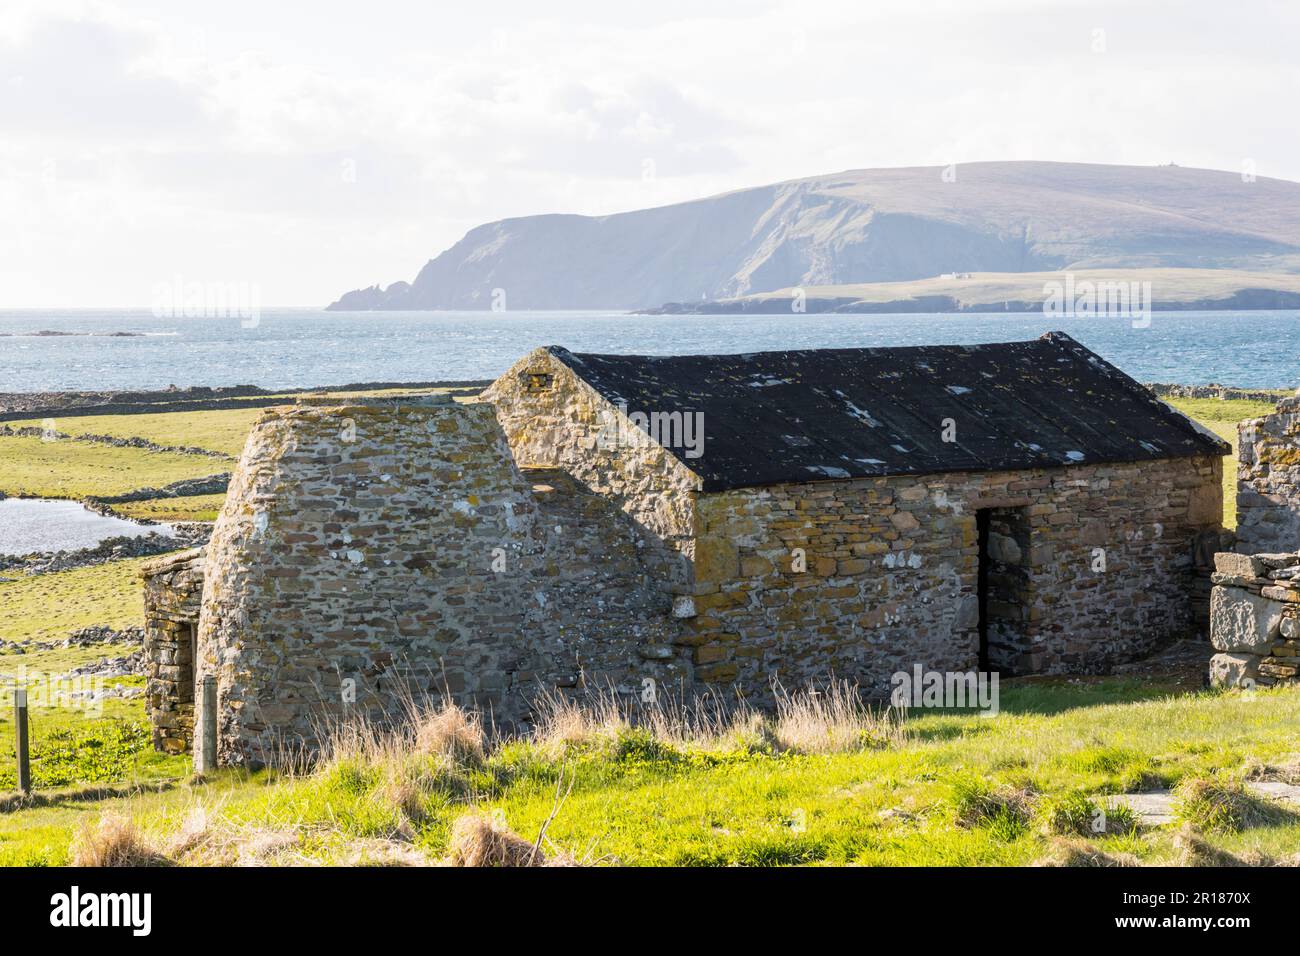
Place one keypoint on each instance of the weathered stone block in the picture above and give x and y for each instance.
(1238, 565)
(716, 559)
(1234, 670)
(1241, 621)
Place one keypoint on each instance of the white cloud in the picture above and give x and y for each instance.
(315, 147)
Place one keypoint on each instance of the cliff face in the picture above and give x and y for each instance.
(864, 226)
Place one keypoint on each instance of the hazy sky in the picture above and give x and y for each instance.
(313, 147)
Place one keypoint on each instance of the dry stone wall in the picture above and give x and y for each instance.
(367, 553)
(173, 588)
(1255, 620)
(891, 568)
(553, 419)
(1268, 481)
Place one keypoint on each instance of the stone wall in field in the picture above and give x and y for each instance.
(1255, 620)
(368, 554)
(1268, 481)
(173, 589)
(863, 578)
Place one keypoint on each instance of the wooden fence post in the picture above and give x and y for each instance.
(205, 737)
(20, 726)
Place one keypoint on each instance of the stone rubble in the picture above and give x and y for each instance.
(1268, 481)
(1255, 619)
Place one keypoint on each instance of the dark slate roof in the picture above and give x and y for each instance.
(815, 414)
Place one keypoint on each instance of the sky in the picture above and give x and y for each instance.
(308, 148)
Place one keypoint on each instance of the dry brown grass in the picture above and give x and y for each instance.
(204, 838)
(1225, 805)
(561, 724)
(1282, 769)
(451, 732)
(482, 839)
(1074, 851)
(114, 841)
(373, 852)
(831, 720)
(1192, 849)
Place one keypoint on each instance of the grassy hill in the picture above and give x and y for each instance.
(865, 226)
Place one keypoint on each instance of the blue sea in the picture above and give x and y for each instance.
(304, 347)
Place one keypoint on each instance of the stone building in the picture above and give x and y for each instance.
(697, 523)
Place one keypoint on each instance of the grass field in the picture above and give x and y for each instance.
(83, 743)
(74, 469)
(46, 607)
(222, 430)
(186, 508)
(1221, 417)
(941, 789)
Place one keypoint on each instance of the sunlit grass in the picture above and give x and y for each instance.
(187, 508)
(1221, 417)
(75, 469)
(1042, 767)
(46, 607)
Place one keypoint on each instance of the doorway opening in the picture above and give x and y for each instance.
(1003, 589)
(187, 663)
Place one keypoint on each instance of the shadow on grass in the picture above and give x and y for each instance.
(1043, 696)
(14, 802)
(1049, 696)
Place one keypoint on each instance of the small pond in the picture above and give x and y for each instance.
(35, 524)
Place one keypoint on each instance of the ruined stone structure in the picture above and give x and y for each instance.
(1268, 480)
(699, 523)
(1255, 605)
(173, 592)
(1255, 620)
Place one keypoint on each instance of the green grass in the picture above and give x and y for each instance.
(959, 790)
(223, 430)
(76, 469)
(1223, 411)
(46, 607)
(73, 469)
(1221, 417)
(188, 508)
(72, 747)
